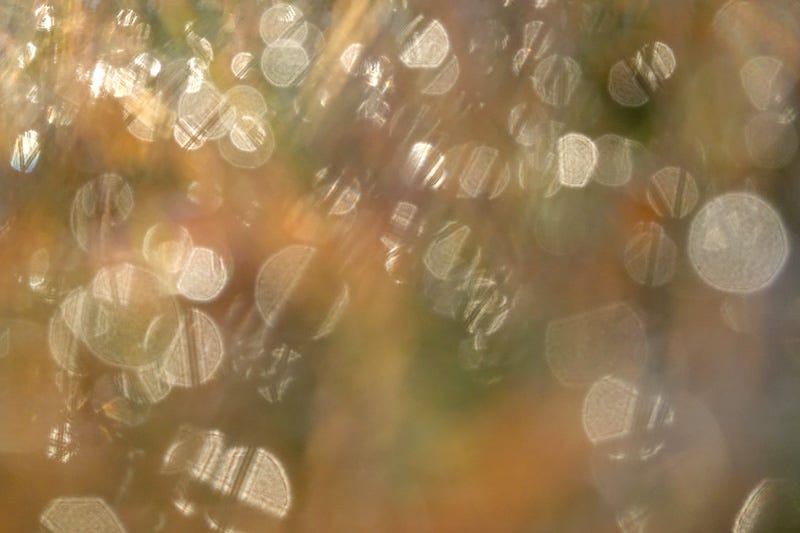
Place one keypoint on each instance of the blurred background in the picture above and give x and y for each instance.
(393, 265)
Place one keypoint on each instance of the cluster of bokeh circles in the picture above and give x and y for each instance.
(243, 240)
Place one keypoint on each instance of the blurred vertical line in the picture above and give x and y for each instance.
(359, 403)
(355, 21)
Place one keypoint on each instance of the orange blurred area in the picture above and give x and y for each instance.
(518, 266)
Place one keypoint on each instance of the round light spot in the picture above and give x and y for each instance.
(427, 49)
(672, 192)
(203, 276)
(123, 316)
(283, 62)
(738, 243)
(555, 79)
(282, 21)
(80, 514)
(617, 158)
(766, 82)
(577, 159)
(609, 409)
